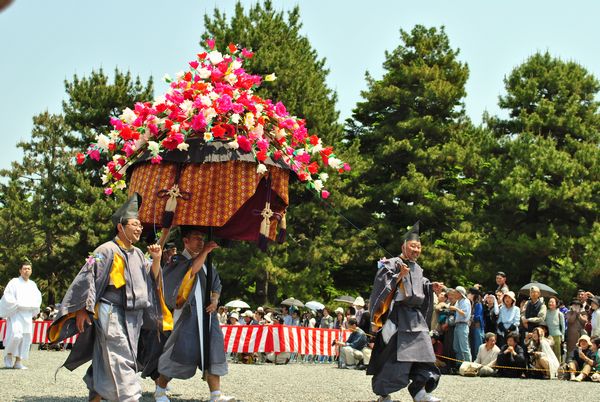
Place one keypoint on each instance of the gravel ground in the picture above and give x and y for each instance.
(293, 382)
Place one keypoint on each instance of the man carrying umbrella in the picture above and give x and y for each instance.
(401, 305)
(184, 288)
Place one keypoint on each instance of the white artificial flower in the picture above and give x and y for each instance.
(104, 178)
(215, 57)
(323, 177)
(175, 127)
(128, 116)
(180, 75)
(209, 114)
(231, 79)
(279, 133)
(153, 147)
(214, 95)
(205, 100)
(232, 144)
(317, 148)
(335, 163)
(249, 120)
(261, 169)
(318, 185)
(236, 64)
(259, 109)
(183, 146)
(102, 141)
(235, 118)
(204, 73)
(159, 99)
(187, 106)
(114, 134)
(270, 77)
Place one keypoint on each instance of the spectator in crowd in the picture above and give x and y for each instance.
(326, 320)
(259, 317)
(595, 316)
(490, 313)
(501, 282)
(555, 320)
(508, 317)
(576, 320)
(19, 304)
(340, 319)
(477, 324)
(582, 295)
(439, 317)
(447, 327)
(485, 361)
(511, 359)
(168, 254)
(535, 310)
(351, 351)
(462, 312)
(286, 316)
(359, 308)
(308, 319)
(234, 318)
(581, 358)
(499, 296)
(222, 315)
(541, 356)
(364, 322)
(248, 318)
(295, 316)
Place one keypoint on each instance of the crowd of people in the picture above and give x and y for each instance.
(522, 336)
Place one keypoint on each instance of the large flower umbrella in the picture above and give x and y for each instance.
(212, 154)
(545, 290)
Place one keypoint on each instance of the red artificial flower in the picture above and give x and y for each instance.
(202, 56)
(314, 140)
(232, 48)
(112, 146)
(128, 134)
(244, 143)
(172, 140)
(247, 54)
(218, 131)
(187, 76)
(168, 124)
(313, 168)
(303, 176)
(80, 158)
(161, 107)
(277, 155)
(156, 160)
(261, 156)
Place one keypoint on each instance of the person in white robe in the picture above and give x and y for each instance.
(19, 304)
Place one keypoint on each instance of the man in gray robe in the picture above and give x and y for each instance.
(107, 303)
(185, 286)
(401, 307)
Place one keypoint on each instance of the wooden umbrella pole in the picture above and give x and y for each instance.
(164, 234)
(207, 316)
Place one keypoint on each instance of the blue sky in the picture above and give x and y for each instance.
(43, 42)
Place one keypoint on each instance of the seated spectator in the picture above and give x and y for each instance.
(541, 355)
(511, 359)
(351, 351)
(485, 361)
(595, 376)
(581, 358)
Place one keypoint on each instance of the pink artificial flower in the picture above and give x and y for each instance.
(347, 167)
(198, 122)
(237, 108)
(211, 43)
(108, 191)
(128, 148)
(223, 104)
(247, 54)
(156, 160)
(303, 158)
(116, 123)
(262, 144)
(153, 128)
(324, 194)
(280, 109)
(94, 154)
(194, 64)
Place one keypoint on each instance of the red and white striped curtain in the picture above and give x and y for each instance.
(281, 338)
(40, 332)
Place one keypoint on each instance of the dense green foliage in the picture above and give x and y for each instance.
(519, 193)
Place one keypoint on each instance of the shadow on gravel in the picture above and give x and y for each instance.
(49, 399)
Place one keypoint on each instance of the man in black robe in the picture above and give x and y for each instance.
(401, 306)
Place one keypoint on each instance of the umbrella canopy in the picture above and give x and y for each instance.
(545, 290)
(314, 305)
(345, 299)
(237, 304)
(292, 302)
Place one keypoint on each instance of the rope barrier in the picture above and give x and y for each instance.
(508, 367)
